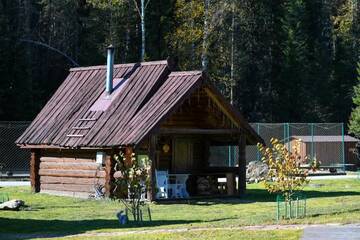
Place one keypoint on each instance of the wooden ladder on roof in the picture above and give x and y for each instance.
(83, 125)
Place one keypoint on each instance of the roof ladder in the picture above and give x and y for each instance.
(75, 135)
(81, 128)
(87, 119)
(79, 131)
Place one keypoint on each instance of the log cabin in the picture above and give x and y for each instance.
(179, 120)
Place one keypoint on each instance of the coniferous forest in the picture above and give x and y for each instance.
(276, 60)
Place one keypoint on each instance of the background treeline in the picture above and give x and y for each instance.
(277, 60)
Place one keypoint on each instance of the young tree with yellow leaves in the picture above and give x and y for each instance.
(285, 175)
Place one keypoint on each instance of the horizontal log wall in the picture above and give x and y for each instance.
(70, 172)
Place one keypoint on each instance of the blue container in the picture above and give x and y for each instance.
(122, 217)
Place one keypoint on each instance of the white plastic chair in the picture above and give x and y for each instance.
(162, 182)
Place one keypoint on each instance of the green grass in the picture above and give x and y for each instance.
(211, 235)
(330, 201)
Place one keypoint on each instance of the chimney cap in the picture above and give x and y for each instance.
(110, 47)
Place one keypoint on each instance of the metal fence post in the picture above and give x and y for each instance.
(312, 140)
(288, 136)
(229, 156)
(284, 133)
(343, 145)
(257, 150)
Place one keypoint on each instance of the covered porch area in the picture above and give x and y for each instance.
(190, 163)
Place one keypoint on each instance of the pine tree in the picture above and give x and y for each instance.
(346, 50)
(354, 124)
(291, 93)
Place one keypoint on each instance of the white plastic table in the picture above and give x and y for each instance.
(178, 187)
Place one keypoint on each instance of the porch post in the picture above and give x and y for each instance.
(109, 174)
(230, 184)
(152, 156)
(34, 170)
(242, 165)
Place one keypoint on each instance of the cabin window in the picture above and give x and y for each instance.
(223, 156)
(100, 158)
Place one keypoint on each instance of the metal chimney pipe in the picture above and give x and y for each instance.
(110, 69)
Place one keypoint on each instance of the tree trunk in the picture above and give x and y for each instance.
(204, 59)
(232, 55)
(142, 16)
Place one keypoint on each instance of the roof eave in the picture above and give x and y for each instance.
(253, 137)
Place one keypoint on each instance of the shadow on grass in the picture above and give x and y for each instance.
(334, 212)
(261, 195)
(34, 228)
(256, 195)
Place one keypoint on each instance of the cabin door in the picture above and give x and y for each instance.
(183, 155)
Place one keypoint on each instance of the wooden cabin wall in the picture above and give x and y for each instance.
(326, 152)
(350, 156)
(70, 172)
(330, 152)
(186, 153)
(303, 147)
(164, 158)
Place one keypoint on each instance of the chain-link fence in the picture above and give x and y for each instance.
(12, 158)
(324, 141)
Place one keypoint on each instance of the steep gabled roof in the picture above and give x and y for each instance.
(78, 114)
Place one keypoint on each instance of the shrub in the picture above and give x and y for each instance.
(133, 183)
(285, 175)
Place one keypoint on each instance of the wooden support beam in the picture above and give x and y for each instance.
(198, 131)
(242, 165)
(128, 156)
(34, 170)
(152, 157)
(109, 173)
(222, 106)
(230, 184)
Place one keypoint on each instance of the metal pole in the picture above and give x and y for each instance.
(312, 140)
(343, 145)
(288, 135)
(233, 155)
(109, 69)
(257, 150)
(142, 30)
(229, 157)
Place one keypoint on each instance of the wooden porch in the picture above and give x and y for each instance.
(213, 160)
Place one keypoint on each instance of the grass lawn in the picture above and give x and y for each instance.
(212, 234)
(329, 201)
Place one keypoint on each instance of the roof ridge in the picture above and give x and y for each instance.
(95, 67)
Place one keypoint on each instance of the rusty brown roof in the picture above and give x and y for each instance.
(80, 115)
